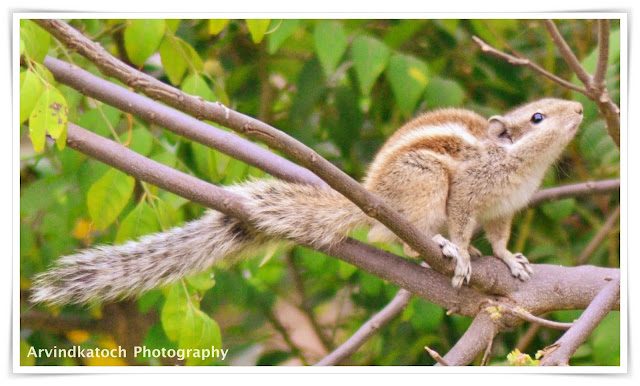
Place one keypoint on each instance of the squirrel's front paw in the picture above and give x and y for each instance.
(519, 266)
(462, 271)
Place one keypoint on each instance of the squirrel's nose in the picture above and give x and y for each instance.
(578, 108)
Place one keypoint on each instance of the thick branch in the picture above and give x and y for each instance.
(475, 340)
(588, 321)
(368, 329)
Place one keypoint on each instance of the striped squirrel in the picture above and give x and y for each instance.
(447, 170)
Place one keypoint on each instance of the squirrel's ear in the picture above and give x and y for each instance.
(497, 125)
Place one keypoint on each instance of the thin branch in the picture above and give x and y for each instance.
(282, 330)
(575, 190)
(568, 55)
(368, 329)
(304, 303)
(588, 321)
(434, 354)
(611, 222)
(487, 354)
(536, 319)
(177, 122)
(603, 54)
(485, 47)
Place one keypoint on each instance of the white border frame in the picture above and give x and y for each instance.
(624, 316)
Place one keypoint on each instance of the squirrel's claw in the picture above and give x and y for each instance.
(519, 266)
(462, 271)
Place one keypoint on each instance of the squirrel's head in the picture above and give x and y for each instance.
(549, 117)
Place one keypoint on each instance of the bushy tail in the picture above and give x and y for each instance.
(302, 213)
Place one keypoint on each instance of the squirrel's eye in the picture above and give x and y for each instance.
(537, 118)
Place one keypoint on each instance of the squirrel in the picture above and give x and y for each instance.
(446, 170)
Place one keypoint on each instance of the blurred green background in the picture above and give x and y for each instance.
(341, 87)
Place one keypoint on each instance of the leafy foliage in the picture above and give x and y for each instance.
(340, 86)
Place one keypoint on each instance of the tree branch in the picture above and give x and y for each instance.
(599, 81)
(612, 220)
(575, 190)
(568, 55)
(177, 122)
(368, 329)
(485, 47)
(588, 321)
(474, 341)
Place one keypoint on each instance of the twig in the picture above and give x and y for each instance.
(568, 55)
(582, 328)
(603, 55)
(434, 354)
(576, 190)
(485, 47)
(536, 319)
(529, 335)
(304, 304)
(282, 330)
(487, 353)
(612, 220)
(597, 92)
(368, 329)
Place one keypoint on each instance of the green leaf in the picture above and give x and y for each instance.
(199, 331)
(408, 77)
(31, 88)
(35, 40)
(174, 311)
(195, 84)
(257, 28)
(330, 43)
(49, 115)
(173, 63)
(201, 281)
(172, 24)
(403, 31)
(108, 196)
(370, 57)
(177, 56)
(140, 221)
(141, 140)
(281, 34)
(142, 38)
(443, 92)
(215, 26)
